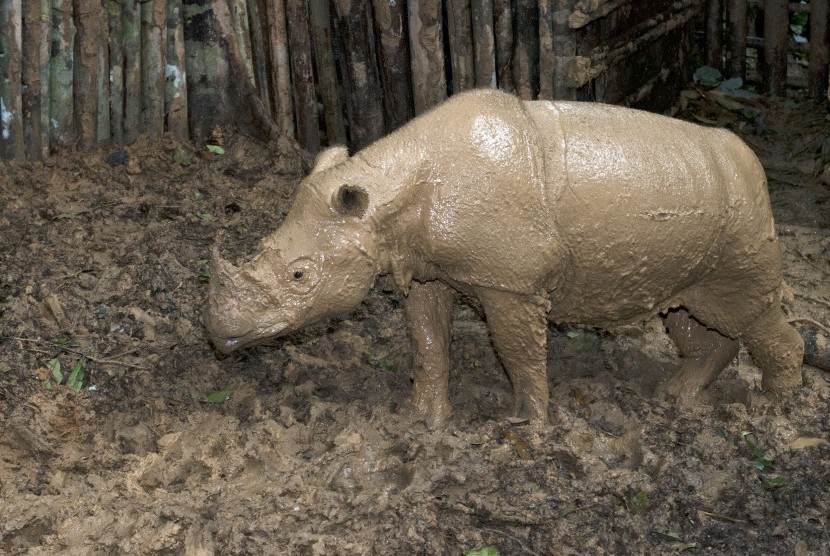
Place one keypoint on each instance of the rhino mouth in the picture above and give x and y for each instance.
(229, 344)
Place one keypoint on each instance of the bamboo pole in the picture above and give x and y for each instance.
(320, 17)
(175, 91)
(564, 49)
(89, 24)
(390, 28)
(819, 55)
(776, 28)
(547, 59)
(426, 43)
(305, 98)
(11, 102)
(460, 34)
(714, 33)
(363, 95)
(503, 27)
(736, 65)
(116, 70)
(484, 43)
(260, 59)
(153, 49)
(33, 90)
(280, 72)
(526, 60)
(131, 29)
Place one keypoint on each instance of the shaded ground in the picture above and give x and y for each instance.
(315, 451)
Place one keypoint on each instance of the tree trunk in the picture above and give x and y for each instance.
(714, 33)
(89, 22)
(736, 67)
(819, 55)
(242, 32)
(395, 79)
(33, 63)
(776, 28)
(175, 91)
(363, 96)
(153, 49)
(526, 61)
(564, 49)
(131, 25)
(503, 26)
(327, 71)
(102, 123)
(11, 102)
(426, 42)
(116, 69)
(260, 58)
(547, 59)
(280, 72)
(484, 43)
(460, 33)
(305, 99)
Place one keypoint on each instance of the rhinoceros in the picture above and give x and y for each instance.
(564, 211)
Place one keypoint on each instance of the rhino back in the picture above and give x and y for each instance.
(647, 206)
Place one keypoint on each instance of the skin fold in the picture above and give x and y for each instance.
(563, 211)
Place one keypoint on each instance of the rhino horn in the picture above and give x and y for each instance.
(223, 270)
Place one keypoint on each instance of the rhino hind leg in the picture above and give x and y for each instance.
(778, 350)
(429, 319)
(704, 353)
(518, 328)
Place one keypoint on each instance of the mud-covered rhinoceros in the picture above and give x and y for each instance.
(568, 211)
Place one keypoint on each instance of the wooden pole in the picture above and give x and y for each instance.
(736, 65)
(11, 102)
(395, 80)
(88, 22)
(131, 29)
(175, 90)
(61, 75)
(819, 55)
(33, 90)
(460, 34)
(484, 43)
(102, 124)
(321, 35)
(116, 70)
(503, 26)
(564, 49)
(429, 85)
(776, 28)
(242, 32)
(363, 95)
(526, 60)
(305, 98)
(547, 58)
(280, 72)
(714, 33)
(260, 59)
(153, 49)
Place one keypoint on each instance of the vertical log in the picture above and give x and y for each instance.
(526, 60)
(429, 86)
(88, 22)
(280, 72)
(547, 60)
(503, 26)
(776, 28)
(242, 32)
(131, 33)
(363, 95)
(460, 34)
(819, 54)
(714, 33)
(11, 102)
(736, 66)
(45, 65)
(484, 43)
(175, 90)
(61, 75)
(327, 71)
(102, 89)
(257, 53)
(390, 28)
(153, 49)
(116, 70)
(305, 98)
(32, 61)
(564, 49)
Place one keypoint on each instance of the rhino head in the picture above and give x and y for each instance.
(321, 262)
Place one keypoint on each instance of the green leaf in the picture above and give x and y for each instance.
(640, 503)
(215, 149)
(182, 156)
(76, 377)
(54, 367)
(772, 483)
(207, 217)
(683, 546)
(484, 551)
(217, 396)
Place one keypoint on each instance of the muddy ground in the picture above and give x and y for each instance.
(102, 264)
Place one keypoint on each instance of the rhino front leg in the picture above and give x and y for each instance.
(429, 318)
(518, 327)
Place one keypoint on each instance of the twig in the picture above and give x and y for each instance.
(811, 263)
(811, 321)
(81, 353)
(813, 299)
(514, 539)
(722, 517)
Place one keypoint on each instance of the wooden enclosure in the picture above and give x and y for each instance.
(92, 72)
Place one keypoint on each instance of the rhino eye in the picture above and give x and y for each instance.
(298, 274)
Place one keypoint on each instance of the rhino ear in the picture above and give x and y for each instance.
(351, 201)
(330, 157)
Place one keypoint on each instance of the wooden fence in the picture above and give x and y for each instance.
(90, 72)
